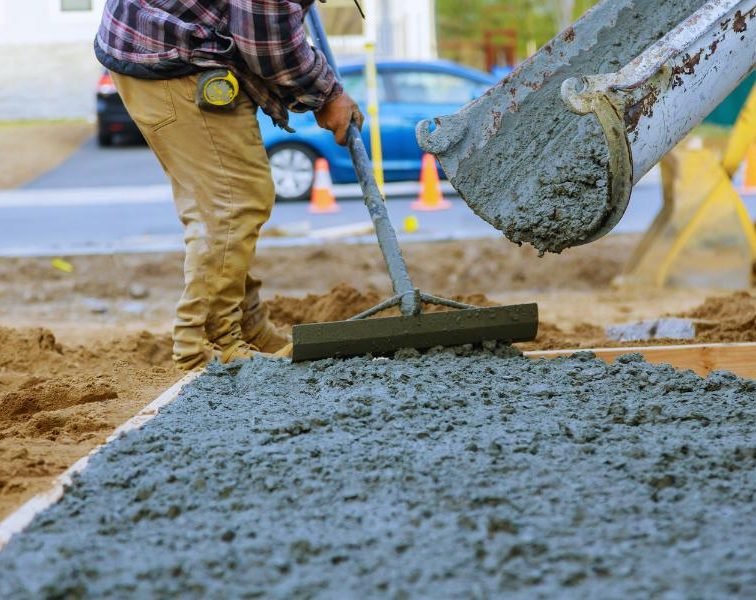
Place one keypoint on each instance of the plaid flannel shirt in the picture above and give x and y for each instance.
(262, 41)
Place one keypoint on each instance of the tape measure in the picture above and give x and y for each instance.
(217, 89)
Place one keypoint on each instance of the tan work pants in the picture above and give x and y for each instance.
(224, 193)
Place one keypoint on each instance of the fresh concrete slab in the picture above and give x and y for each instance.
(463, 474)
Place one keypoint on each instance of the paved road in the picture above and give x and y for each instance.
(107, 200)
(92, 166)
(119, 219)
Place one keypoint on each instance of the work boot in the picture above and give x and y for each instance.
(195, 361)
(239, 350)
(258, 331)
(269, 338)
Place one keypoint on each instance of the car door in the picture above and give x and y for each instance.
(415, 94)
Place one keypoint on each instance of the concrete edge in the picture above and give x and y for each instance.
(20, 519)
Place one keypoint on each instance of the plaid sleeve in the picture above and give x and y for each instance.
(270, 36)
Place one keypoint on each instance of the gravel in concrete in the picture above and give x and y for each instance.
(666, 328)
(436, 476)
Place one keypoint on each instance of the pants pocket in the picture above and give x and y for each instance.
(149, 103)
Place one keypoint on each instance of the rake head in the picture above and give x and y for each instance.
(385, 335)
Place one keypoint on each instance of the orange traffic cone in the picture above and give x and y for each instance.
(430, 197)
(749, 177)
(322, 200)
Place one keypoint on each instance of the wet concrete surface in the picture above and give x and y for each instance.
(521, 159)
(462, 475)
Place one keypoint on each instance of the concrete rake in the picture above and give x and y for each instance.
(463, 324)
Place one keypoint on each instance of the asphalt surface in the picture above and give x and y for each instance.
(92, 167)
(118, 200)
(104, 200)
(142, 219)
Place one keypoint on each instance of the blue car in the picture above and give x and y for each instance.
(408, 92)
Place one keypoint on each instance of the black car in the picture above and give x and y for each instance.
(112, 118)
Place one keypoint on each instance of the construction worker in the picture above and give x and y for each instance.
(160, 53)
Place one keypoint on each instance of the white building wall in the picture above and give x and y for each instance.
(48, 68)
(402, 29)
(413, 28)
(25, 22)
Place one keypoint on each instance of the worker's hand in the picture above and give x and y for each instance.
(337, 114)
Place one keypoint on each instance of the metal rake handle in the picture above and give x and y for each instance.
(410, 302)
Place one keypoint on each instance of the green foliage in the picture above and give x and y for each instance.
(463, 24)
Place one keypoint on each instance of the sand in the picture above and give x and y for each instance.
(719, 319)
(342, 303)
(726, 319)
(447, 475)
(57, 402)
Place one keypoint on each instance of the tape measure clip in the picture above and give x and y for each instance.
(217, 89)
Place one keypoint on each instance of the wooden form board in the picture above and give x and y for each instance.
(701, 358)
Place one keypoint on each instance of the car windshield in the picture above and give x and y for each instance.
(354, 85)
(426, 87)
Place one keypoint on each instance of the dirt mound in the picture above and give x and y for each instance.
(34, 396)
(341, 303)
(553, 337)
(144, 349)
(721, 319)
(726, 319)
(58, 401)
(20, 348)
(64, 424)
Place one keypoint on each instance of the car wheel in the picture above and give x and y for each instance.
(293, 169)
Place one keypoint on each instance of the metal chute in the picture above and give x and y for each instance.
(549, 155)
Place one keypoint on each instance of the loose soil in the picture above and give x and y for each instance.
(58, 401)
(81, 352)
(341, 303)
(449, 475)
(30, 149)
(726, 319)
(34, 293)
